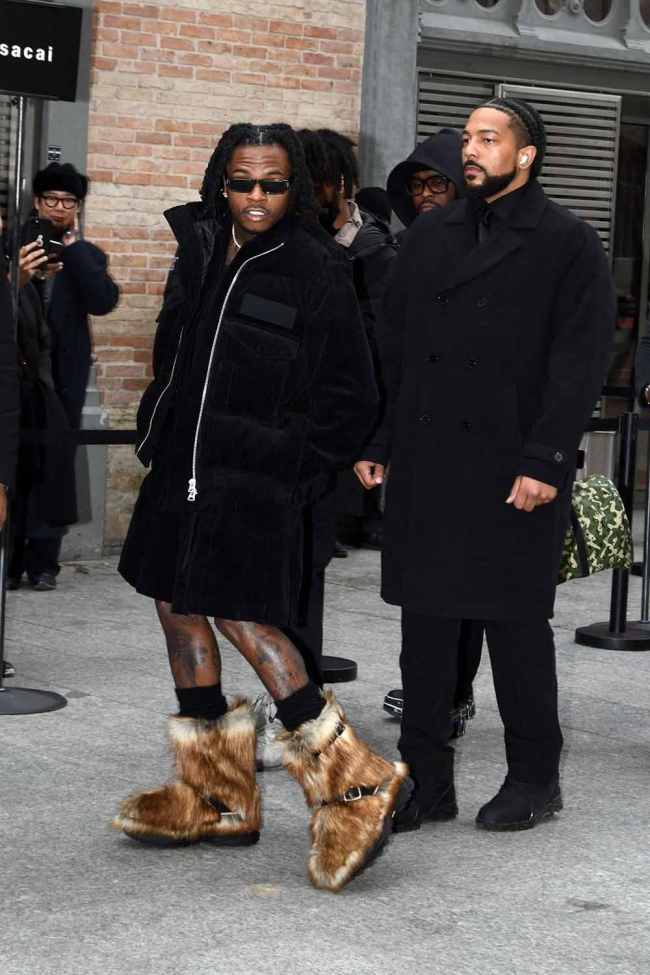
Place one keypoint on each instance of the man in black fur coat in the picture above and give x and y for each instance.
(263, 386)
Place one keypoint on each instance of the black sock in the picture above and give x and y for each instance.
(303, 705)
(207, 703)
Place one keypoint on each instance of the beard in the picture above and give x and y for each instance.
(328, 217)
(490, 186)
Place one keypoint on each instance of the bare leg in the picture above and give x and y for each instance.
(273, 657)
(192, 647)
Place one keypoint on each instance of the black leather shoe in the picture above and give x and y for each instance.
(520, 805)
(340, 552)
(436, 810)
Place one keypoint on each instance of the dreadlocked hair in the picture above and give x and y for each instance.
(301, 198)
(527, 125)
(331, 158)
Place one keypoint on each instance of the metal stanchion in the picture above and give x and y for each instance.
(618, 633)
(18, 700)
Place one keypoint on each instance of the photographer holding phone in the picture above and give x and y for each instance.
(70, 280)
(81, 288)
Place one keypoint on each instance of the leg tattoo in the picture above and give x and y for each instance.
(273, 657)
(192, 647)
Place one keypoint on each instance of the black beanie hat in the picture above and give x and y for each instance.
(374, 199)
(533, 123)
(63, 177)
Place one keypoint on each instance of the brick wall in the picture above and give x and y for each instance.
(168, 78)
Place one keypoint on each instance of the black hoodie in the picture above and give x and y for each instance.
(441, 152)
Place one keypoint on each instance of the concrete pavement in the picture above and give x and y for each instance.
(571, 897)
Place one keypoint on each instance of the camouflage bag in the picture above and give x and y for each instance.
(599, 535)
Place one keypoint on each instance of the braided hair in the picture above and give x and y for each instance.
(527, 125)
(301, 194)
(331, 158)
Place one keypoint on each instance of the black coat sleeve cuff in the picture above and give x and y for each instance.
(548, 464)
(378, 453)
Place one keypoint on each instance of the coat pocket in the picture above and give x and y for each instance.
(257, 362)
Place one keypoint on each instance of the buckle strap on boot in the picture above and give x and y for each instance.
(338, 731)
(353, 794)
(214, 802)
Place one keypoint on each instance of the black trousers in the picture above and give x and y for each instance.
(522, 655)
(35, 556)
(307, 632)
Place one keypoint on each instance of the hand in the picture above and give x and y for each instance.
(369, 473)
(71, 236)
(527, 493)
(49, 270)
(3, 506)
(31, 256)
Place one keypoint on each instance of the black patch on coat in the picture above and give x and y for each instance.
(270, 312)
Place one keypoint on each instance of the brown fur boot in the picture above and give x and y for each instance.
(354, 794)
(215, 796)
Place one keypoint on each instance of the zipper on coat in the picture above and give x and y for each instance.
(169, 382)
(192, 489)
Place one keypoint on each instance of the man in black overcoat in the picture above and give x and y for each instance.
(494, 338)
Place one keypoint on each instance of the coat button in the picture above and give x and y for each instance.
(471, 363)
(558, 457)
(425, 418)
(481, 303)
(443, 299)
(467, 425)
(434, 358)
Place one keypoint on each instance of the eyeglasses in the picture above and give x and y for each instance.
(270, 187)
(436, 183)
(67, 202)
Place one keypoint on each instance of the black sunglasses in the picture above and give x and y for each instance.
(270, 187)
(436, 183)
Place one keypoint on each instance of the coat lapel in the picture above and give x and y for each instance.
(470, 263)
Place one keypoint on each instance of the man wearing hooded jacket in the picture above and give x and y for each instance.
(430, 178)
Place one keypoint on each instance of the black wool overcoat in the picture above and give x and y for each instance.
(493, 356)
(82, 288)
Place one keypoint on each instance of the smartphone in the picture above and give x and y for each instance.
(39, 232)
(55, 255)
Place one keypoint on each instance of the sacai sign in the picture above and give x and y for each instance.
(39, 49)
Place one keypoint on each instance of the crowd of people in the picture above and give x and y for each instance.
(303, 350)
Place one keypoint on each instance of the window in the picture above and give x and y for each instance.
(550, 7)
(597, 10)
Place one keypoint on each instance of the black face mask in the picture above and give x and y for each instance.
(490, 186)
(328, 217)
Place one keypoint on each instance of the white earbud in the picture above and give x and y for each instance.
(523, 160)
(224, 193)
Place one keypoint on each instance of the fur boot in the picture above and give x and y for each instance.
(353, 792)
(215, 796)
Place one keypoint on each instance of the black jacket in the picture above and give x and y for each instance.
(45, 477)
(286, 394)
(371, 252)
(9, 397)
(493, 355)
(82, 288)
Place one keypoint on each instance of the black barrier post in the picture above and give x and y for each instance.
(618, 633)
